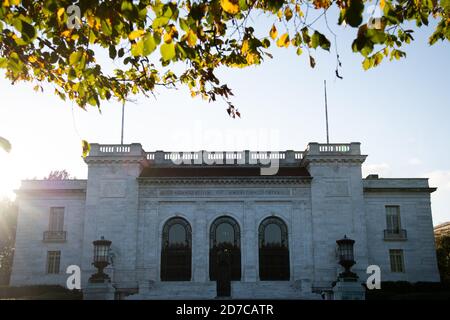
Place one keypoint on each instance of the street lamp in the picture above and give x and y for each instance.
(346, 257)
(101, 260)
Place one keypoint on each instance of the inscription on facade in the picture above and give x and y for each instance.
(199, 193)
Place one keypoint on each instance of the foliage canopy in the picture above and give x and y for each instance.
(47, 41)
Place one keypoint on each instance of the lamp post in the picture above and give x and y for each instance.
(346, 258)
(101, 260)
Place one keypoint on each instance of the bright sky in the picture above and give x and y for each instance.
(399, 112)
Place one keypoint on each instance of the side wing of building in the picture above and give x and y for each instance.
(49, 231)
(400, 229)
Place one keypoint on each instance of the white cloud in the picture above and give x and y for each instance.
(382, 169)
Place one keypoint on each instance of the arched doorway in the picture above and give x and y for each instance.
(225, 235)
(176, 251)
(273, 250)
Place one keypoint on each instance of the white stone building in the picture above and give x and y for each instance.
(166, 214)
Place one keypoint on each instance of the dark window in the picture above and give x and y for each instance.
(397, 260)
(53, 261)
(176, 251)
(273, 250)
(225, 234)
(56, 222)
(393, 219)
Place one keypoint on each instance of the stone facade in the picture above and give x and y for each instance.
(130, 194)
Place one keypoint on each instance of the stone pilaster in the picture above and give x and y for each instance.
(200, 247)
(249, 243)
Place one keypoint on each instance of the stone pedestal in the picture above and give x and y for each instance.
(99, 291)
(348, 290)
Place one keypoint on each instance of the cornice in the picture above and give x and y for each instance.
(227, 180)
(400, 189)
(327, 159)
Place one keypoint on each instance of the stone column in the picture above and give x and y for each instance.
(200, 244)
(249, 243)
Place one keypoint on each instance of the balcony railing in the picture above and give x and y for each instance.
(399, 234)
(55, 236)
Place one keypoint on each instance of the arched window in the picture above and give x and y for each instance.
(273, 250)
(225, 235)
(176, 251)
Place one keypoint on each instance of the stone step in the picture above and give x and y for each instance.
(207, 290)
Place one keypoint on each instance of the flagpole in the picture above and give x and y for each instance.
(123, 115)
(326, 110)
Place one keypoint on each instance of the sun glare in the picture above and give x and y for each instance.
(9, 174)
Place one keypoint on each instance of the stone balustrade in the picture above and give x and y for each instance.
(247, 157)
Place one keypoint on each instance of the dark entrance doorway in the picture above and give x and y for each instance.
(223, 282)
(225, 235)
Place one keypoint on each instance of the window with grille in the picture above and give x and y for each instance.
(56, 219)
(53, 262)
(397, 260)
(393, 224)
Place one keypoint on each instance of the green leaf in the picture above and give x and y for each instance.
(112, 51)
(137, 49)
(149, 44)
(376, 36)
(160, 22)
(86, 148)
(167, 51)
(312, 62)
(3, 62)
(126, 6)
(367, 63)
(353, 14)
(184, 24)
(106, 27)
(28, 32)
(75, 57)
(319, 39)
(377, 58)
(5, 144)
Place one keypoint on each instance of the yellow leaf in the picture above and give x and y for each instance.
(288, 13)
(135, 34)
(230, 6)
(382, 4)
(244, 48)
(298, 9)
(191, 38)
(252, 58)
(66, 33)
(280, 14)
(91, 21)
(167, 37)
(283, 41)
(32, 59)
(273, 32)
(324, 4)
(86, 148)
(60, 13)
